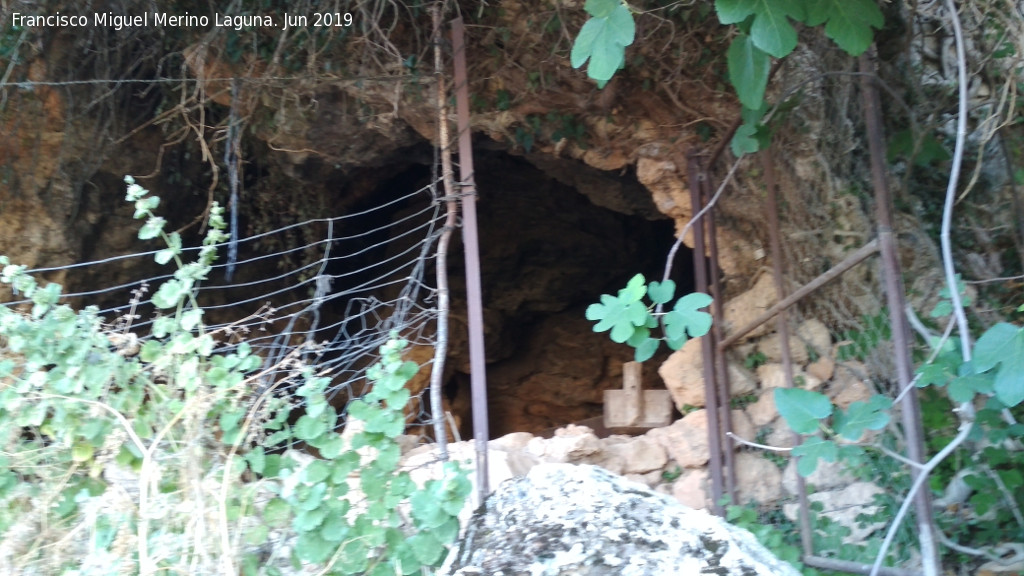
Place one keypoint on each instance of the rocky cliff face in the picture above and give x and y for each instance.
(579, 188)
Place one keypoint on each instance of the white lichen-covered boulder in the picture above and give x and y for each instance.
(580, 520)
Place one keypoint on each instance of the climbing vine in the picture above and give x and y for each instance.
(764, 31)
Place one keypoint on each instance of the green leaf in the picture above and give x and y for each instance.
(426, 548)
(601, 8)
(317, 471)
(635, 289)
(811, 450)
(311, 547)
(622, 314)
(770, 30)
(307, 428)
(257, 459)
(646, 349)
(661, 293)
(152, 228)
(171, 293)
(1003, 345)
(603, 39)
(749, 67)
(968, 384)
(191, 318)
(687, 318)
(743, 141)
(802, 409)
(849, 22)
(861, 416)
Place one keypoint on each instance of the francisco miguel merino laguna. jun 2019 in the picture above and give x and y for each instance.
(163, 19)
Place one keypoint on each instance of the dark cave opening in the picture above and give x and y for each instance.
(555, 234)
(547, 252)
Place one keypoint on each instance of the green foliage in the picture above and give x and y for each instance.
(554, 126)
(1003, 345)
(778, 535)
(754, 359)
(861, 344)
(765, 31)
(848, 22)
(369, 537)
(88, 415)
(806, 412)
(603, 39)
(945, 305)
(748, 71)
(802, 409)
(631, 320)
(769, 27)
(924, 152)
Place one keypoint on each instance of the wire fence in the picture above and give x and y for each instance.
(330, 303)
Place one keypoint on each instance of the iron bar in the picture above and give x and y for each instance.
(892, 277)
(798, 294)
(471, 245)
(853, 567)
(696, 175)
(721, 367)
(782, 329)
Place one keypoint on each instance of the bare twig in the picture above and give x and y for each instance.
(966, 410)
(441, 348)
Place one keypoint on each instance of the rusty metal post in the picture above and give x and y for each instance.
(721, 367)
(695, 172)
(471, 244)
(894, 295)
(782, 328)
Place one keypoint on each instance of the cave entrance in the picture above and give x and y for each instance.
(554, 235)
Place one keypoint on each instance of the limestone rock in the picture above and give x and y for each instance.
(823, 368)
(848, 385)
(757, 479)
(570, 444)
(683, 374)
(540, 525)
(843, 506)
(781, 435)
(691, 489)
(638, 456)
(513, 441)
(741, 424)
(686, 440)
(763, 411)
(773, 375)
(815, 336)
(771, 347)
(740, 381)
(746, 307)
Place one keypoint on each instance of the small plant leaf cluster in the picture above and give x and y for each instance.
(603, 39)
(806, 412)
(174, 413)
(367, 535)
(631, 320)
(996, 374)
(765, 31)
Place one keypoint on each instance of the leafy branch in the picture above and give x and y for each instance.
(766, 31)
(631, 320)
